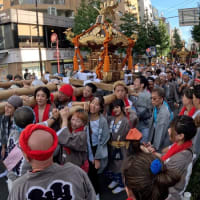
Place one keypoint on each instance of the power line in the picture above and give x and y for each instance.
(183, 4)
(174, 6)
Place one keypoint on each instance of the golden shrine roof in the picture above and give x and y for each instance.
(97, 35)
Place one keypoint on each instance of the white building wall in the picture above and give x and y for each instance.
(145, 7)
(32, 55)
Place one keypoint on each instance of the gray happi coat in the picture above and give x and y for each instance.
(77, 143)
(102, 149)
(182, 163)
(120, 133)
(158, 135)
(54, 182)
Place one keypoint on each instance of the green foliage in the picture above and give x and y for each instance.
(129, 24)
(148, 35)
(164, 39)
(85, 16)
(196, 33)
(194, 184)
(177, 39)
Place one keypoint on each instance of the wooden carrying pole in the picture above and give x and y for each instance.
(5, 94)
(10, 83)
(31, 101)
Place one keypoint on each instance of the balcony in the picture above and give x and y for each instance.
(21, 2)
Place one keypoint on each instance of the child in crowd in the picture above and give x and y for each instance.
(73, 137)
(98, 136)
(119, 127)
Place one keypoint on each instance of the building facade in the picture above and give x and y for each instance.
(130, 6)
(65, 8)
(19, 42)
(145, 10)
(19, 38)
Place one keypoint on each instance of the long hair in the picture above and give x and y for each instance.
(142, 182)
(45, 90)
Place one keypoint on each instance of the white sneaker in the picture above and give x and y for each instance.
(118, 190)
(97, 197)
(112, 184)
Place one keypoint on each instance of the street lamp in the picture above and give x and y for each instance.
(38, 37)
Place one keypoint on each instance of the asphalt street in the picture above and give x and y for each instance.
(106, 193)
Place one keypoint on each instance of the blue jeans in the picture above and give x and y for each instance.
(145, 134)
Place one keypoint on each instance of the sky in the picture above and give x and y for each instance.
(169, 8)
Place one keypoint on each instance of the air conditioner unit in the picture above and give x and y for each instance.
(52, 11)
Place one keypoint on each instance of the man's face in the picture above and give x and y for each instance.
(120, 92)
(62, 97)
(151, 85)
(87, 92)
(169, 76)
(185, 78)
(137, 84)
(163, 79)
(156, 99)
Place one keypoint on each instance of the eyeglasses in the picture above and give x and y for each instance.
(155, 98)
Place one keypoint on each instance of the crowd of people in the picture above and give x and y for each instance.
(145, 142)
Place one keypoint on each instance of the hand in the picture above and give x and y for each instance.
(86, 106)
(3, 152)
(176, 105)
(64, 113)
(26, 99)
(97, 164)
(55, 113)
(144, 149)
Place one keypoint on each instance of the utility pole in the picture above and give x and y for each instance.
(38, 37)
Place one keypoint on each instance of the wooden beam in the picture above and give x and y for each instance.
(10, 83)
(103, 86)
(5, 94)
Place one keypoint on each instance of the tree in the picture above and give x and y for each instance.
(148, 35)
(196, 33)
(177, 39)
(164, 39)
(85, 16)
(129, 24)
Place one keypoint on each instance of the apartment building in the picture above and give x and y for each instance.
(19, 42)
(145, 9)
(19, 38)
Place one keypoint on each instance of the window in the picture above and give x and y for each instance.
(27, 35)
(52, 11)
(17, 2)
(8, 36)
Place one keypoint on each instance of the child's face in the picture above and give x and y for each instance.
(76, 122)
(117, 110)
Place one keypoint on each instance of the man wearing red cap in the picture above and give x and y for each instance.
(48, 180)
(65, 96)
